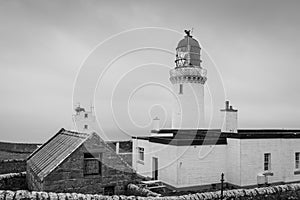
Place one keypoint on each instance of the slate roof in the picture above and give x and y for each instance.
(188, 137)
(54, 151)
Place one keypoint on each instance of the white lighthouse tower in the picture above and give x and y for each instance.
(84, 120)
(188, 79)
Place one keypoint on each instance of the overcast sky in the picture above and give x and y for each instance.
(254, 49)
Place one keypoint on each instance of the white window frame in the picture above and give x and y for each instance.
(297, 160)
(267, 161)
(141, 154)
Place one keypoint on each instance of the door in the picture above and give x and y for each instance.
(109, 190)
(154, 168)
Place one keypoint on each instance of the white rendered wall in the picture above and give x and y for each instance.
(241, 160)
(167, 160)
(230, 123)
(282, 159)
(200, 165)
(182, 166)
(291, 146)
(143, 168)
(233, 163)
(188, 108)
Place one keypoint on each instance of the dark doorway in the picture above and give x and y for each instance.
(154, 168)
(109, 190)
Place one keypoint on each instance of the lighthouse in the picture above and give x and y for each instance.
(188, 79)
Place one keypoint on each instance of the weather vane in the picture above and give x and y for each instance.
(188, 32)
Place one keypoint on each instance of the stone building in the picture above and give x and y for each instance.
(189, 156)
(77, 162)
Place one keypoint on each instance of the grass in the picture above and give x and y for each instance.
(4, 155)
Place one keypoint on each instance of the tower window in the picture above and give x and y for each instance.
(85, 115)
(86, 126)
(297, 160)
(267, 161)
(180, 89)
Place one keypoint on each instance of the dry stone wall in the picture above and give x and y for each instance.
(138, 191)
(18, 147)
(13, 181)
(12, 166)
(284, 192)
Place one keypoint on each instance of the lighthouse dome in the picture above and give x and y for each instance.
(188, 40)
(188, 52)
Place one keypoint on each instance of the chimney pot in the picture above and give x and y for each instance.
(226, 105)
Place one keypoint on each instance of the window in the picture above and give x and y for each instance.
(92, 163)
(267, 161)
(141, 153)
(86, 115)
(125, 147)
(86, 126)
(180, 89)
(297, 160)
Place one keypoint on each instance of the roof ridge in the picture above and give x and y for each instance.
(75, 134)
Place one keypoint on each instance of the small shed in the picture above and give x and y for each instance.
(77, 162)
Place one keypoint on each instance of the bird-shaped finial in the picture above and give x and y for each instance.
(188, 32)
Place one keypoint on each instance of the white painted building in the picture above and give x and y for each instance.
(188, 156)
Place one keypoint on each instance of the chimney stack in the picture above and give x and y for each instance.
(226, 105)
(229, 117)
(155, 124)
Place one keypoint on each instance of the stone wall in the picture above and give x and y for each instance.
(33, 182)
(283, 192)
(9, 151)
(12, 166)
(18, 147)
(140, 191)
(127, 157)
(13, 181)
(5, 155)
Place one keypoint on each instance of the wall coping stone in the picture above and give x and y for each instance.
(228, 194)
(12, 175)
(13, 160)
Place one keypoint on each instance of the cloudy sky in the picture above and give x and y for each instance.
(53, 55)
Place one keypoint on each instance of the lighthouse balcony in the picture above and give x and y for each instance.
(188, 71)
(188, 74)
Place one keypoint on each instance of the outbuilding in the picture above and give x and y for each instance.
(77, 162)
